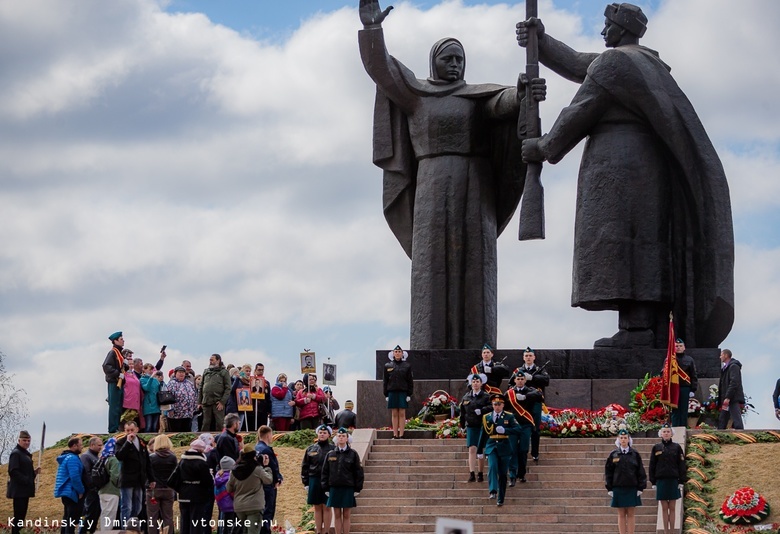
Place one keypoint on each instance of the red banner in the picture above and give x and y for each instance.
(670, 378)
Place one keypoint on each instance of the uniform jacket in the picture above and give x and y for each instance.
(469, 403)
(313, 460)
(532, 397)
(342, 469)
(136, 470)
(730, 384)
(112, 367)
(215, 386)
(667, 460)
(21, 474)
(498, 372)
(191, 479)
(69, 476)
(625, 470)
(540, 379)
(686, 363)
(493, 441)
(398, 377)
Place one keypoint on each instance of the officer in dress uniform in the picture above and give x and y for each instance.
(521, 399)
(537, 378)
(495, 372)
(497, 427)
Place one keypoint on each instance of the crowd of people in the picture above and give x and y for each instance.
(183, 401)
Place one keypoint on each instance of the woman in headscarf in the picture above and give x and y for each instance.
(282, 404)
(453, 177)
(109, 494)
(625, 479)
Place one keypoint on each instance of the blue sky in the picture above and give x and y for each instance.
(198, 174)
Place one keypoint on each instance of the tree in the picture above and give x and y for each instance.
(13, 411)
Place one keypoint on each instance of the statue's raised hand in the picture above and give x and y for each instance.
(371, 13)
(522, 30)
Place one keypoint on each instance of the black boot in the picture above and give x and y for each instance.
(471, 477)
(480, 477)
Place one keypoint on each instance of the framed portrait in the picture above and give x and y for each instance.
(445, 525)
(243, 399)
(257, 383)
(308, 363)
(329, 374)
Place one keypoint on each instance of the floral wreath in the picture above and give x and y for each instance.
(744, 507)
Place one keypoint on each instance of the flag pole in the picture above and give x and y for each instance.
(40, 457)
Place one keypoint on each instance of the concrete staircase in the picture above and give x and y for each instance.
(411, 482)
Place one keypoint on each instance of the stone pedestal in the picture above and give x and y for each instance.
(588, 379)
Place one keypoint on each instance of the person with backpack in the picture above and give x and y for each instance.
(227, 515)
(105, 476)
(88, 459)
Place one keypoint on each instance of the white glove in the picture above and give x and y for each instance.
(653, 486)
(691, 394)
(121, 375)
(609, 493)
(480, 456)
(680, 487)
(638, 493)
(357, 493)
(487, 369)
(528, 376)
(306, 488)
(408, 399)
(520, 397)
(327, 494)
(387, 399)
(500, 430)
(478, 411)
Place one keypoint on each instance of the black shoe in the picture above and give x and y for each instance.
(536, 459)
(523, 480)
(492, 495)
(512, 482)
(472, 478)
(395, 437)
(500, 503)
(480, 477)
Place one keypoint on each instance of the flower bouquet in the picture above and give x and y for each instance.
(744, 507)
(450, 429)
(438, 403)
(646, 401)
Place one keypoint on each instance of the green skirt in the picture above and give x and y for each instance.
(316, 494)
(396, 399)
(625, 497)
(666, 489)
(342, 497)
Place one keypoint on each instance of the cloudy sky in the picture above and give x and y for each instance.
(198, 174)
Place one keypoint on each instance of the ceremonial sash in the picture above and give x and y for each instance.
(120, 362)
(490, 390)
(517, 408)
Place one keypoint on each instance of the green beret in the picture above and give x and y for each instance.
(342, 430)
(115, 336)
(488, 347)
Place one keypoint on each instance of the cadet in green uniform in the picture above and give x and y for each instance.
(398, 386)
(342, 480)
(497, 426)
(521, 399)
(495, 372)
(689, 383)
(667, 475)
(537, 378)
(311, 471)
(473, 406)
(625, 479)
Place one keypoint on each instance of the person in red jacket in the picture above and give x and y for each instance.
(309, 400)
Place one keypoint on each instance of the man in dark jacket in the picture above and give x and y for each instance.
(21, 480)
(227, 442)
(263, 447)
(91, 499)
(134, 472)
(731, 397)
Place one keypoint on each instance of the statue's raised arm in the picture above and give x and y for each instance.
(371, 13)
